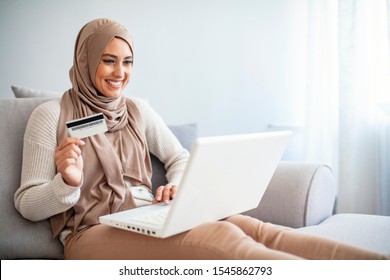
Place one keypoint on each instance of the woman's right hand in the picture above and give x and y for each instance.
(69, 161)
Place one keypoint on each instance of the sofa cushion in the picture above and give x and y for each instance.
(20, 238)
(369, 232)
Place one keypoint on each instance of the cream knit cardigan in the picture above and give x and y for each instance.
(43, 193)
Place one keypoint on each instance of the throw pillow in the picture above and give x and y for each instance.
(23, 92)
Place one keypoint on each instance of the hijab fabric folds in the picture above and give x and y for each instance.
(108, 158)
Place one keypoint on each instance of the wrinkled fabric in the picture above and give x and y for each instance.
(122, 151)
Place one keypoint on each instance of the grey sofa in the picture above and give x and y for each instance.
(300, 195)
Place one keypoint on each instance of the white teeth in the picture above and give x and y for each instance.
(115, 84)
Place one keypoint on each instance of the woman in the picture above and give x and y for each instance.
(74, 181)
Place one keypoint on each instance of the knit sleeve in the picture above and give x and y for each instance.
(162, 143)
(42, 192)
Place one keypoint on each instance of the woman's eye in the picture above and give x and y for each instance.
(128, 62)
(108, 61)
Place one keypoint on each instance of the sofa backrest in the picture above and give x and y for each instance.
(20, 238)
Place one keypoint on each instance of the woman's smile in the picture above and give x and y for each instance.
(114, 83)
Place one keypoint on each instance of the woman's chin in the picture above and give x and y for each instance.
(111, 93)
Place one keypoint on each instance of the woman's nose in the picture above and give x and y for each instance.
(119, 70)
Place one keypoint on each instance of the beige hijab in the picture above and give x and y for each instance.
(108, 158)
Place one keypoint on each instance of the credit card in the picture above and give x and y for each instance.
(88, 126)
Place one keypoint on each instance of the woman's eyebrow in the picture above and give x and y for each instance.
(114, 56)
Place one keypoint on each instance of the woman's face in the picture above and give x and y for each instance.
(114, 69)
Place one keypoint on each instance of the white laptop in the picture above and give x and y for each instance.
(225, 175)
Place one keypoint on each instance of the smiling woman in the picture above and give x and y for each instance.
(115, 68)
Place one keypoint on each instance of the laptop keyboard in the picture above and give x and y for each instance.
(155, 218)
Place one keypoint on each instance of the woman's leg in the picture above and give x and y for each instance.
(306, 246)
(219, 240)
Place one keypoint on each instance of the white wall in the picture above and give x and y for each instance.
(226, 64)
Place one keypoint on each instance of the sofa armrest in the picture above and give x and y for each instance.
(298, 195)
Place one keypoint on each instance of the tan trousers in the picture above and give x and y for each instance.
(238, 237)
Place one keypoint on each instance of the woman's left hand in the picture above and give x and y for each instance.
(164, 194)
